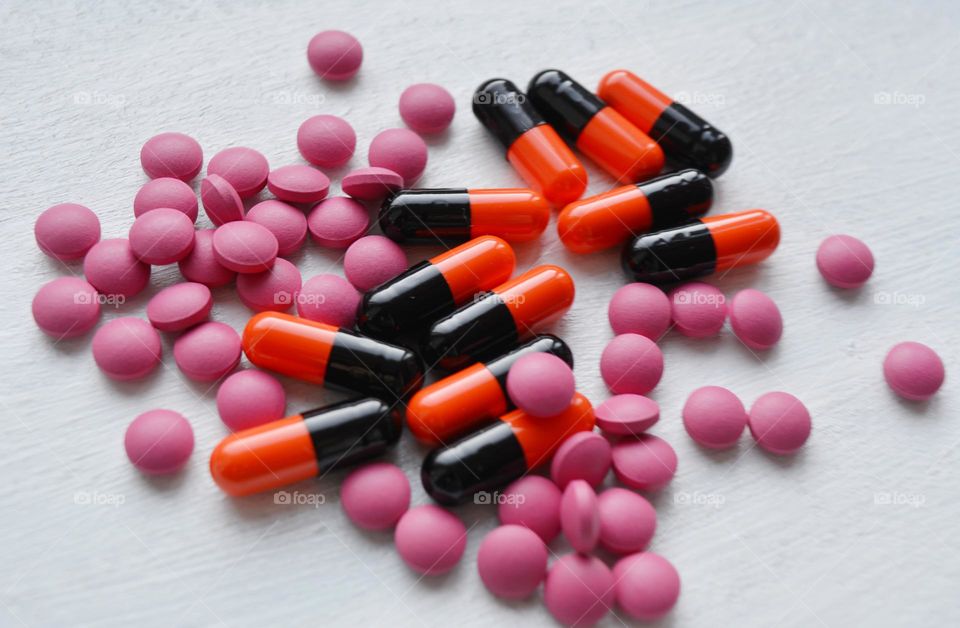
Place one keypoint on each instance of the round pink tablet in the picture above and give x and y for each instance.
(338, 222)
(627, 521)
(159, 442)
(66, 307)
(639, 308)
(627, 414)
(430, 539)
(329, 299)
(220, 200)
(579, 590)
(112, 268)
(844, 261)
(427, 108)
(913, 370)
(245, 169)
(208, 351)
(714, 417)
(647, 585)
(583, 456)
(375, 496)
(579, 516)
(631, 363)
(373, 260)
(201, 264)
(755, 319)
(245, 247)
(371, 184)
(180, 306)
(534, 502)
(166, 192)
(286, 222)
(541, 384)
(67, 231)
(171, 155)
(275, 289)
(400, 150)
(127, 348)
(698, 309)
(326, 141)
(779, 422)
(298, 184)
(250, 398)
(512, 562)
(647, 463)
(334, 55)
(162, 236)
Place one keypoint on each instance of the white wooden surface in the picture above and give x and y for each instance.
(843, 117)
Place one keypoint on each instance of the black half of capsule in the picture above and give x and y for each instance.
(504, 110)
(689, 140)
(546, 343)
(676, 197)
(373, 367)
(671, 255)
(352, 431)
(427, 216)
(567, 105)
(479, 330)
(406, 303)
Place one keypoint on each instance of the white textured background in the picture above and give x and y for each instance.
(843, 118)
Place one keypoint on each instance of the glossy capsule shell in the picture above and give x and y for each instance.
(597, 130)
(303, 446)
(326, 355)
(455, 404)
(505, 450)
(606, 220)
(533, 147)
(436, 287)
(701, 247)
(686, 138)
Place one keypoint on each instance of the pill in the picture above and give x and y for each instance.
(159, 442)
(427, 108)
(371, 184)
(180, 306)
(221, 201)
(275, 289)
(326, 141)
(399, 150)
(631, 363)
(66, 307)
(755, 319)
(913, 370)
(579, 590)
(337, 222)
(533, 147)
(250, 398)
(779, 422)
(127, 348)
(67, 231)
(844, 261)
(207, 352)
(597, 130)
(162, 236)
(166, 192)
(580, 516)
(375, 496)
(244, 168)
(298, 184)
(647, 585)
(541, 384)
(697, 309)
(512, 562)
(329, 299)
(625, 415)
(647, 463)
(714, 417)
(303, 446)
(285, 222)
(171, 155)
(685, 137)
(112, 268)
(639, 308)
(449, 216)
(373, 260)
(701, 247)
(504, 450)
(245, 247)
(201, 264)
(583, 456)
(533, 502)
(430, 540)
(627, 521)
(334, 55)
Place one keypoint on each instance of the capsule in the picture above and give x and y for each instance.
(303, 446)
(685, 137)
(323, 354)
(701, 247)
(436, 287)
(533, 147)
(451, 215)
(598, 131)
(496, 321)
(606, 220)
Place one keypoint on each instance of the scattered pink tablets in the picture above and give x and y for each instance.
(245, 247)
(779, 422)
(201, 264)
(647, 463)
(337, 222)
(298, 184)
(639, 308)
(112, 268)
(844, 261)
(627, 521)
(220, 200)
(399, 150)
(647, 585)
(326, 141)
(582, 456)
(250, 398)
(207, 352)
(631, 363)
(275, 289)
(284, 221)
(335, 55)
(180, 306)
(512, 562)
(755, 319)
(127, 348)
(245, 169)
(627, 414)
(159, 442)
(375, 496)
(534, 502)
(541, 384)
(371, 184)
(698, 309)
(913, 370)
(66, 307)
(427, 108)
(579, 590)
(373, 260)
(329, 299)
(714, 417)
(162, 236)
(166, 192)
(171, 155)
(430, 539)
(579, 516)
(67, 231)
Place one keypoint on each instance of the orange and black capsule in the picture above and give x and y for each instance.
(685, 137)
(597, 130)
(534, 149)
(304, 446)
(701, 247)
(606, 220)
(460, 402)
(505, 450)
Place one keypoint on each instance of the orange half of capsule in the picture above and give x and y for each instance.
(743, 238)
(539, 437)
(270, 339)
(537, 296)
(637, 100)
(518, 214)
(438, 414)
(605, 220)
(619, 147)
(548, 165)
(476, 266)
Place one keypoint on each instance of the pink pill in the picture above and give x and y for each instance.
(579, 590)
(171, 155)
(250, 398)
(166, 192)
(375, 496)
(541, 384)
(244, 168)
(66, 307)
(755, 319)
(286, 222)
(779, 422)
(162, 236)
(67, 231)
(427, 108)
(583, 456)
(371, 184)
(647, 463)
(579, 516)
(298, 184)
(844, 261)
(430, 540)
(180, 306)
(512, 562)
(245, 247)
(399, 150)
(647, 585)
(534, 502)
(208, 351)
(335, 55)
(127, 348)
(714, 417)
(112, 268)
(913, 370)
(631, 363)
(628, 414)
(373, 260)
(627, 521)
(274, 289)
(698, 309)
(201, 264)
(338, 222)
(639, 308)
(326, 141)
(159, 442)
(329, 299)
(220, 200)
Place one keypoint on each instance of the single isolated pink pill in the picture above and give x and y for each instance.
(114, 270)
(171, 155)
(582, 456)
(755, 319)
(334, 55)
(579, 590)
(67, 231)
(371, 184)
(639, 308)
(326, 141)
(375, 496)
(779, 422)
(430, 539)
(580, 516)
(627, 521)
(647, 463)
(245, 247)
(399, 150)
(166, 192)
(698, 309)
(298, 184)
(533, 502)
(427, 108)
(373, 260)
(844, 261)
(631, 363)
(127, 348)
(162, 236)
(329, 299)
(220, 200)
(180, 306)
(66, 307)
(541, 384)
(250, 398)
(647, 585)
(284, 221)
(338, 222)
(714, 417)
(201, 264)
(159, 442)
(913, 370)
(512, 562)
(275, 289)
(627, 414)
(208, 351)
(244, 168)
